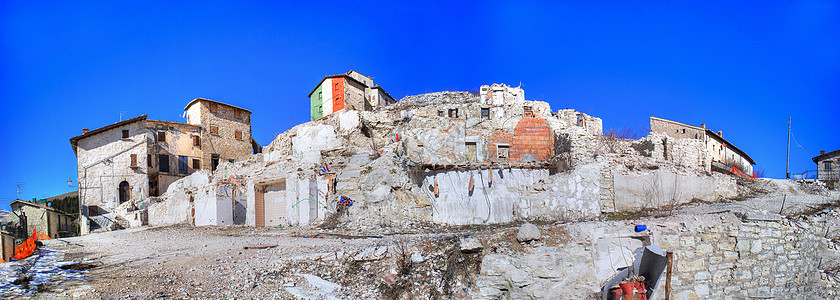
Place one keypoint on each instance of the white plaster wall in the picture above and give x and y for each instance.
(194, 114)
(456, 206)
(661, 187)
(327, 99)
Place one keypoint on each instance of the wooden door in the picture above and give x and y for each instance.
(259, 206)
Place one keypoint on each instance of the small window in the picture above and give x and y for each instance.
(440, 113)
(196, 141)
(196, 164)
(485, 113)
(125, 133)
(683, 130)
(529, 112)
(163, 162)
(238, 135)
(827, 166)
(134, 160)
(214, 107)
(214, 129)
(182, 165)
(503, 151)
(579, 120)
(237, 113)
(453, 113)
(161, 136)
(149, 160)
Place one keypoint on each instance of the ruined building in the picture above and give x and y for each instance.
(713, 151)
(450, 158)
(138, 158)
(351, 91)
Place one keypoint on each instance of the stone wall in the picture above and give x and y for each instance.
(754, 259)
(224, 142)
(676, 129)
(716, 256)
(104, 160)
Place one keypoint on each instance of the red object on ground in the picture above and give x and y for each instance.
(736, 171)
(26, 248)
(634, 290)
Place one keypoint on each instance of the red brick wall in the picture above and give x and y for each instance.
(496, 137)
(532, 136)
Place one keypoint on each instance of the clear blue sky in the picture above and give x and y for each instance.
(739, 68)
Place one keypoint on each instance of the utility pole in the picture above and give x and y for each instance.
(787, 164)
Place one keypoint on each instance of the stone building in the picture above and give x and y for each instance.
(122, 164)
(350, 91)
(43, 219)
(716, 154)
(226, 132)
(828, 167)
(501, 94)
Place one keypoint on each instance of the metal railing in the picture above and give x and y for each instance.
(829, 175)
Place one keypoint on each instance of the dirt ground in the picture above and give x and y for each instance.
(237, 262)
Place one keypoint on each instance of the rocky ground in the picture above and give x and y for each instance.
(428, 262)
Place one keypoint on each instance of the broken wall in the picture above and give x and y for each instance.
(665, 188)
(716, 256)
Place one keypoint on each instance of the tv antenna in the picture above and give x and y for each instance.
(20, 187)
(122, 113)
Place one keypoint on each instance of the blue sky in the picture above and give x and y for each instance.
(740, 68)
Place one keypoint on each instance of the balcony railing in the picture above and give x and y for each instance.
(828, 175)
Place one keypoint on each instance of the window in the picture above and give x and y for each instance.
(238, 135)
(529, 112)
(214, 162)
(827, 166)
(440, 113)
(125, 133)
(163, 163)
(196, 141)
(161, 136)
(196, 164)
(134, 160)
(683, 130)
(237, 113)
(453, 112)
(182, 165)
(503, 151)
(214, 129)
(214, 107)
(579, 120)
(485, 113)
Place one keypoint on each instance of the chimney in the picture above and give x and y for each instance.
(703, 125)
(720, 133)
(84, 130)
(822, 152)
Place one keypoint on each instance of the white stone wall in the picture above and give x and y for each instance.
(104, 160)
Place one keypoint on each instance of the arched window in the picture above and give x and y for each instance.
(125, 191)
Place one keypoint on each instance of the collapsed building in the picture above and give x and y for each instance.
(448, 158)
(123, 164)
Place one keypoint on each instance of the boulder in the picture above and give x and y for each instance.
(528, 232)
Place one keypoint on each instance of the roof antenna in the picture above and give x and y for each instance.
(122, 113)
